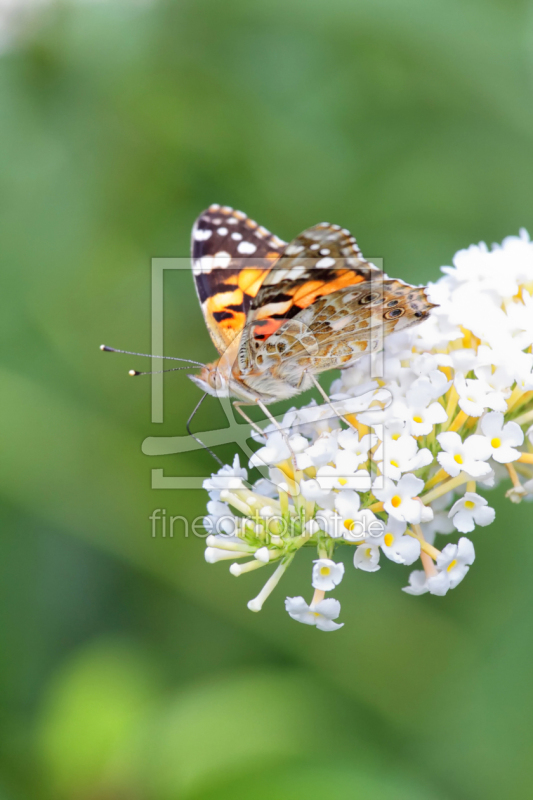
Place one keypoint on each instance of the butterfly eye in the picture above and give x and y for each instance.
(370, 298)
(394, 313)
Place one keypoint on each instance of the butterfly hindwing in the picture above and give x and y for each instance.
(337, 329)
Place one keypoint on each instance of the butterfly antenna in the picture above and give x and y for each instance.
(107, 349)
(188, 426)
(134, 372)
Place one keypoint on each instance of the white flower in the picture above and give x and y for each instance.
(345, 475)
(396, 545)
(214, 554)
(326, 574)
(530, 434)
(331, 522)
(355, 524)
(278, 449)
(505, 351)
(321, 615)
(502, 439)
(468, 456)
(456, 559)
(475, 396)
(262, 555)
(401, 454)
(321, 452)
(313, 420)
(312, 491)
(419, 412)
(398, 499)
(500, 380)
(434, 385)
(419, 583)
(471, 510)
(227, 477)
(366, 557)
(350, 440)
(221, 519)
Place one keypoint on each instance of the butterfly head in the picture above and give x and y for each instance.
(212, 380)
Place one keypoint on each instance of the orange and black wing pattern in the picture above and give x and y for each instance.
(231, 256)
(321, 261)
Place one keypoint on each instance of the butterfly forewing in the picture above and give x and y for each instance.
(231, 254)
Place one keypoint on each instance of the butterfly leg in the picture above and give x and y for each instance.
(238, 406)
(328, 401)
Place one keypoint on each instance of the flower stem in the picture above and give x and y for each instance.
(526, 458)
(444, 488)
(527, 417)
(427, 563)
(451, 405)
(317, 597)
(458, 421)
(437, 478)
(512, 473)
(257, 603)
(416, 533)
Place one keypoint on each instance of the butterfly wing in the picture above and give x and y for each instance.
(321, 307)
(319, 262)
(231, 255)
(336, 330)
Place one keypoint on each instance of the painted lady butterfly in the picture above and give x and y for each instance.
(279, 314)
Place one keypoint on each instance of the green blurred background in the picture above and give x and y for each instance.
(129, 667)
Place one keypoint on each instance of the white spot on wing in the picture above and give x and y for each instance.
(246, 248)
(294, 249)
(222, 231)
(201, 234)
(325, 262)
(221, 260)
(203, 265)
(237, 236)
(325, 251)
(295, 273)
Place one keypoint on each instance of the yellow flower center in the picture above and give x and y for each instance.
(395, 436)
(368, 552)
(394, 463)
(417, 419)
(396, 501)
(458, 458)
(469, 504)
(495, 442)
(388, 539)
(343, 481)
(316, 614)
(451, 565)
(325, 571)
(349, 524)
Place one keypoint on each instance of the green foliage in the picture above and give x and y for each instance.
(130, 668)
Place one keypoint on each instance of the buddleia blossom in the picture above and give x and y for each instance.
(414, 458)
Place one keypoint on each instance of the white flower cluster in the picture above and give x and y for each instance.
(401, 460)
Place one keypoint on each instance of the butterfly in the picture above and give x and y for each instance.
(279, 314)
